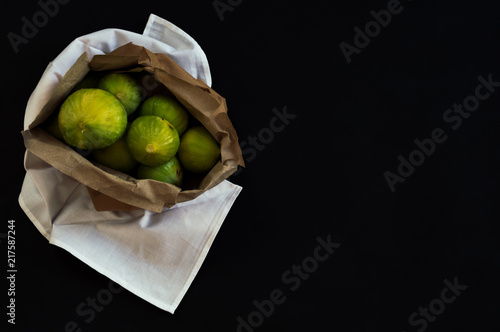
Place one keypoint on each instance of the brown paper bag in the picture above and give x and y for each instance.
(111, 190)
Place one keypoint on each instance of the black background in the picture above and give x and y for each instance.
(322, 176)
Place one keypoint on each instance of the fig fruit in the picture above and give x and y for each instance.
(170, 172)
(198, 150)
(125, 88)
(168, 108)
(91, 119)
(152, 141)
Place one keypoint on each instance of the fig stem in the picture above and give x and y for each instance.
(150, 148)
(81, 126)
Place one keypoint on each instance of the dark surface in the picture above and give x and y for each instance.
(321, 176)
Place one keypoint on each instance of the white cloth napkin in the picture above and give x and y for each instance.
(154, 255)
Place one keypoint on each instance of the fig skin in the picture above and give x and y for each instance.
(198, 150)
(170, 172)
(92, 119)
(152, 141)
(168, 108)
(116, 156)
(125, 88)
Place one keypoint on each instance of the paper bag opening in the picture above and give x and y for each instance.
(115, 191)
